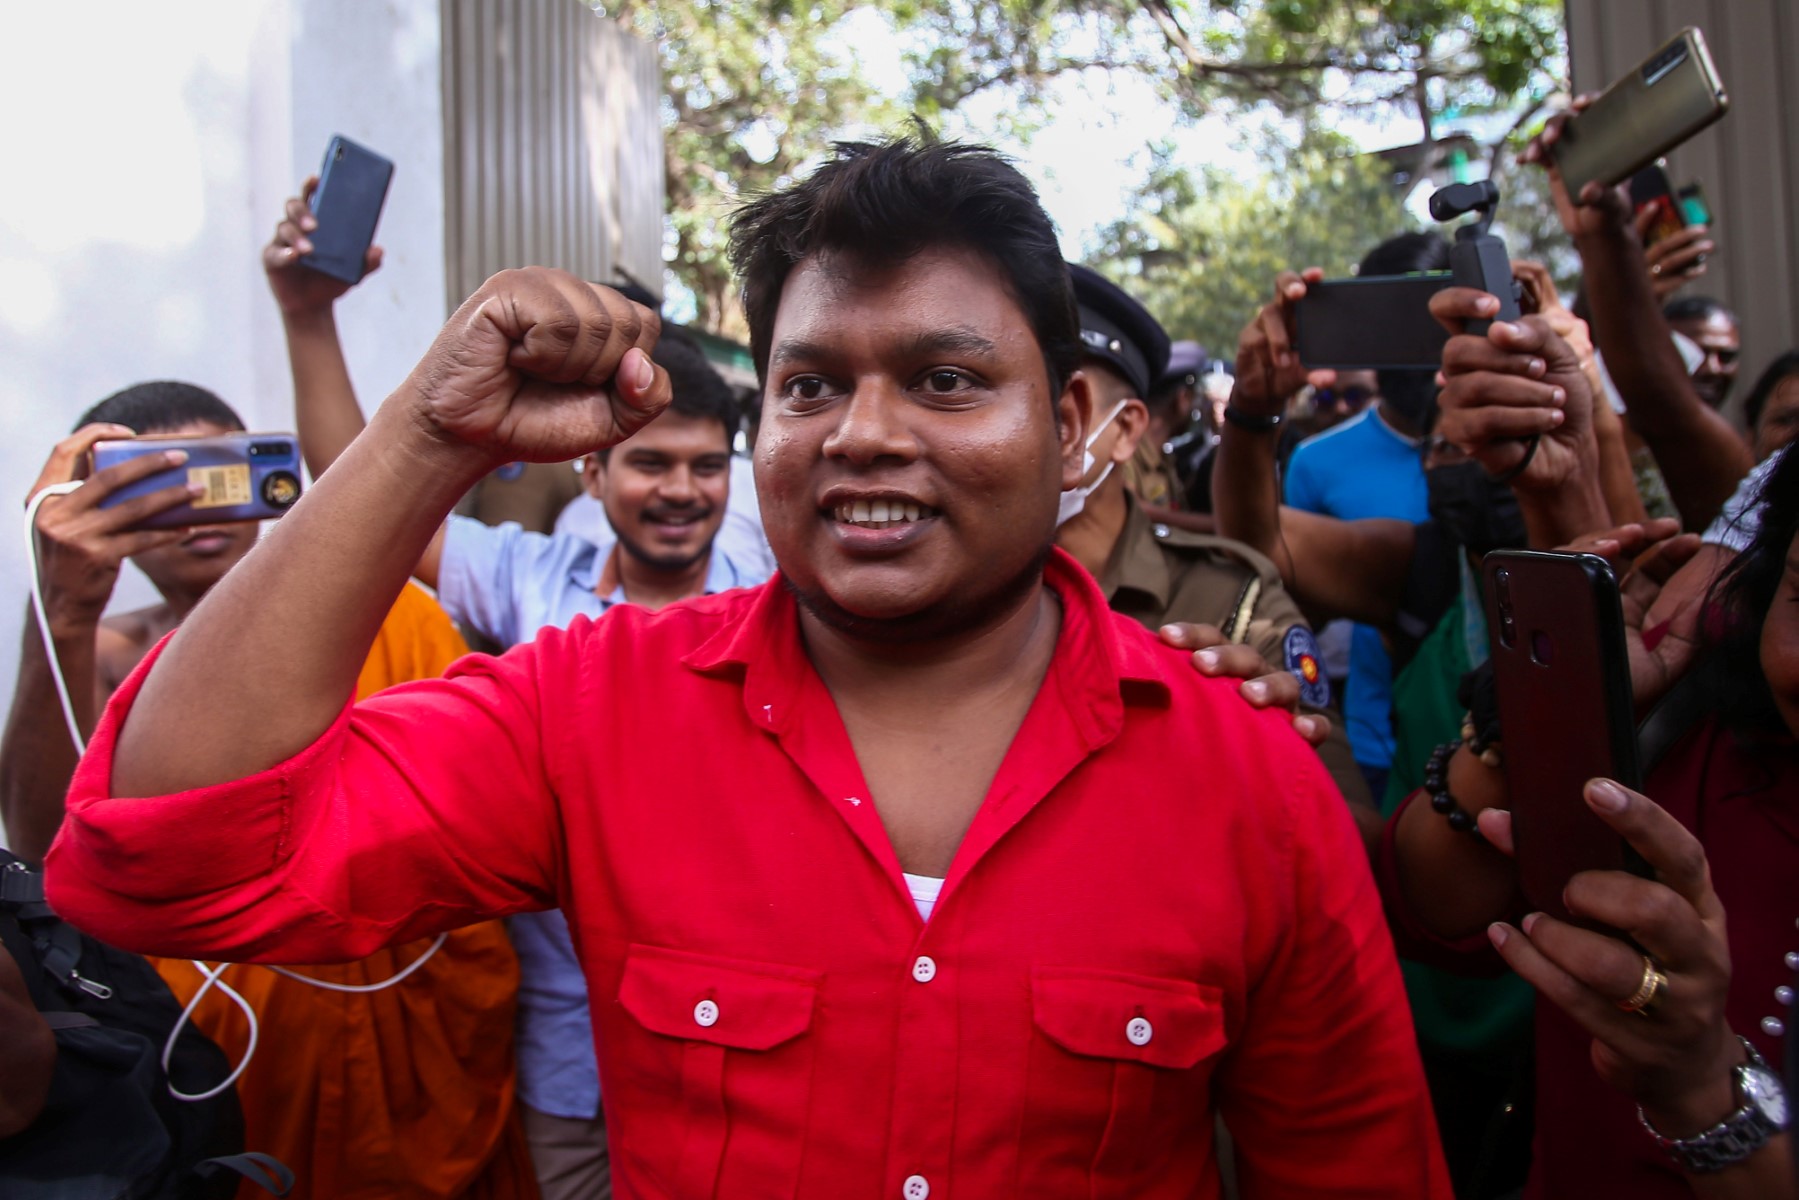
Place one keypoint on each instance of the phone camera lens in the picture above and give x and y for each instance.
(280, 489)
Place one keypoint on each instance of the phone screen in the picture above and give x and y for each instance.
(1693, 206)
(1379, 322)
(1651, 191)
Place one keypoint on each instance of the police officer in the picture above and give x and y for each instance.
(1156, 574)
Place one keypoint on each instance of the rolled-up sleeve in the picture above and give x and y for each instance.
(424, 808)
(482, 570)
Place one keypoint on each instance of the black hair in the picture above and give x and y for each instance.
(1732, 680)
(1777, 373)
(161, 405)
(699, 392)
(877, 205)
(1694, 308)
(1408, 391)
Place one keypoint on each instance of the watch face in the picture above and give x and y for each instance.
(1762, 1092)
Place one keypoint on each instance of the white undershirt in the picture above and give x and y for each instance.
(924, 891)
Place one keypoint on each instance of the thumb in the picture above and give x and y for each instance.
(643, 390)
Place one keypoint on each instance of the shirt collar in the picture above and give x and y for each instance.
(1137, 562)
(1101, 662)
(584, 572)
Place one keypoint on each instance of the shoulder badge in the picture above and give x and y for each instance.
(1300, 650)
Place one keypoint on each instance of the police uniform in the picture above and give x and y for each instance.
(1151, 477)
(1158, 574)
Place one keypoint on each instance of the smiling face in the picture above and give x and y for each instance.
(202, 557)
(1716, 334)
(1778, 424)
(910, 453)
(664, 489)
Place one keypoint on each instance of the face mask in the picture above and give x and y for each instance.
(1480, 514)
(1071, 502)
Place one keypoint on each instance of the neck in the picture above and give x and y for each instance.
(1091, 534)
(649, 586)
(1009, 652)
(1396, 421)
(176, 604)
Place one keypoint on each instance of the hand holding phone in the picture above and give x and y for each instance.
(352, 189)
(298, 289)
(237, 477)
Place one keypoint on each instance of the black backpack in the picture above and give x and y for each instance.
(110, 1130)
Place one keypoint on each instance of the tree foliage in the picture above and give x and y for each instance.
(756, 88)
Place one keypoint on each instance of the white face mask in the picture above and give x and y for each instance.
(1072, 501)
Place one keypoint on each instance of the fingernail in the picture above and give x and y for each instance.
(1537, 366)
(309, 224)
(1285, 358)
(1207, 660)
(1556, 417)
(1607, 796)
(1558, 397)
(1305, 726)
(1530, 922)
(1255, 689)
(1171, 632)
(303, 246)
(1505, 327)
(1487, 304)
(643, 374)
(1497, 933)
(196, 490)
(175, 457)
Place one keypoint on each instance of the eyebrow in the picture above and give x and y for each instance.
(953, 340)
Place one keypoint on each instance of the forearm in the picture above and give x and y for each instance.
(326, 414)
(27, 1060)
(37, 756)
(1617, 479)
(1246, 493)
(267, 660)
(1700, 453)
(1454, 885)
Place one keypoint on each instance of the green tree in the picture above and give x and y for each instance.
(1201, 248)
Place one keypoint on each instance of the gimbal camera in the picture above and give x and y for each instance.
(1478, 258)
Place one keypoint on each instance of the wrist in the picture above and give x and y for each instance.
(1253, 406)
(1686, 1111)
(305, 319)
(417, 446)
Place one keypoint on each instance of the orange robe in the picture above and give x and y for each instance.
(406, 1092)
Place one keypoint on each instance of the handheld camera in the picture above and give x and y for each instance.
(1478, 258)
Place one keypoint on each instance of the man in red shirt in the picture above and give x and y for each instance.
(914, 873)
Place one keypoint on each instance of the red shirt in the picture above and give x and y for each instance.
(1161, 912)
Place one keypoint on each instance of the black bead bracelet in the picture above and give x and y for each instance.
(1436, 786)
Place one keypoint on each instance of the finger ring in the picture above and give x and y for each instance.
(1649, 992)
(1655, 268)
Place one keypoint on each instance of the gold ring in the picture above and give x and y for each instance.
(1649, 992)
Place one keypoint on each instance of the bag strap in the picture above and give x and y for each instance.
(264, 1170)
(1669, 721)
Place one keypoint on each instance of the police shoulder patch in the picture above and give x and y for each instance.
(1300, 650)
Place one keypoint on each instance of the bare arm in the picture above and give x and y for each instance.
(27, 1052)
(81, 547)
(1701, 455)
(524, 370)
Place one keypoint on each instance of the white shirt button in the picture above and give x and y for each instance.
(917, 1187)
(1773, 1026)
(924, 969)
(1783, 994)
(1139, 1031)
(705, 1014)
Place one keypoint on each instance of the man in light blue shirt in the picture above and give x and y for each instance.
(665, 492)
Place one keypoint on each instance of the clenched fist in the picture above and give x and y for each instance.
(540, 366)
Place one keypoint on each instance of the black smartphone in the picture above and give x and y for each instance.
(247, 476)
(1652, 190)
(1562, 675)
(1665, 100)
(352, 188)
(1377, 322)
(1693, 205)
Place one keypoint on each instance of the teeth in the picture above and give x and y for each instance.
(881, 514)
(911, 511)
(877, 511)
(859, 511)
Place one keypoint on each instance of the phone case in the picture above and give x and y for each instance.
(352, 188)
(248, 476)
(1671, 96)
(1562, 674)
(1379, 322)
(1650, 188)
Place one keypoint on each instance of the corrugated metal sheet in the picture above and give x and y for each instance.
(552, 144)
(1748, 162)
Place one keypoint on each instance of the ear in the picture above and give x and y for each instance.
(593, 475)
(1074, 417)
(1132, 422)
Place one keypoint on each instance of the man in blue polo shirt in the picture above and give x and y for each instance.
(665, 491)
(1373, 466)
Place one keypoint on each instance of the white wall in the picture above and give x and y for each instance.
(149, 147)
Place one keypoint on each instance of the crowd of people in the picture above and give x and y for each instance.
(949, 795)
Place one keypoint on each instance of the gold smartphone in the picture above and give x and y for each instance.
(1671, 96)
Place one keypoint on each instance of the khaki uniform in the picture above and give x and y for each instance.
(1158, 574)
(1149, 475)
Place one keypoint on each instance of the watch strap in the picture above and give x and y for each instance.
(1728, 1142)
(1253, 422)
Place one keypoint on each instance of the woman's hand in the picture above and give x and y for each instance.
(1264, 686)
(1673, 1056)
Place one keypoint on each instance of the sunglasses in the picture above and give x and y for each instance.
(1353, 395)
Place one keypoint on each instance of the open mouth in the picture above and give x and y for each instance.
(883, 514)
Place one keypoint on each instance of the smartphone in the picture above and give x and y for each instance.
(352, 188)
(1651, 190)
(1693, 205)
(1664, 101)
(247, 476)
(1562, 676)
(1378, 322)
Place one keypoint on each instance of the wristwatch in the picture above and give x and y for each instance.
(1763, 1113)
(1254, 422)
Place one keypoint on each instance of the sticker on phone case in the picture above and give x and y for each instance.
(225, 486)
(1300, 650)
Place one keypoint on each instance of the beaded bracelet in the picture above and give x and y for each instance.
(1436, 785)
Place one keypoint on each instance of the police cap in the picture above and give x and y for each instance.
(1119, 331)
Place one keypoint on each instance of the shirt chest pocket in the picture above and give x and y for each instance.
(1121, 1066)
(727, 1062)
